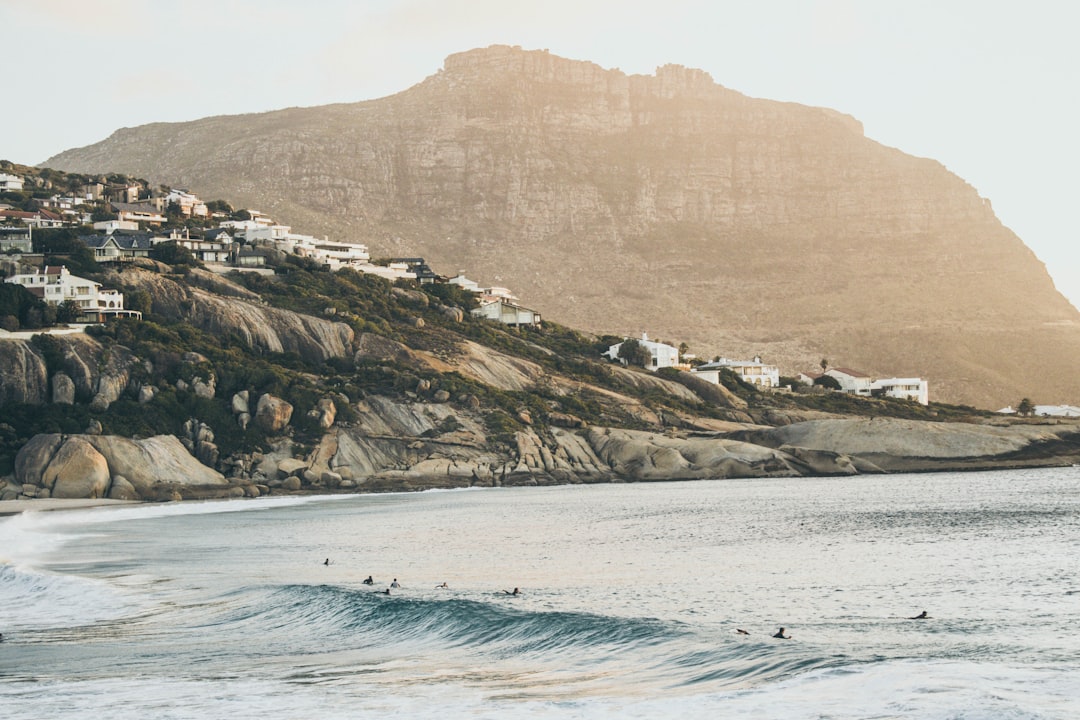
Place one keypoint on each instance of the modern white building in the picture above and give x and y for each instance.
(915, 389)
(753, 372)
(661, 354)
(10, 182)
(392, 271)
(334, 255)
(56, 285)
(851, 381)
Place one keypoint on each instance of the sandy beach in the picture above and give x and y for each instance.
(14, 507)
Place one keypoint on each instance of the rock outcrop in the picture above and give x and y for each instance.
(83, 371)
(235, 316)
(88, 466)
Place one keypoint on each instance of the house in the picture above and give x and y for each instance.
(118, 246)
(508, 313)
(393, 271)
(207, 251)
(138, 213)
(753, 372)
(247, 258)
(109, 226)
(851, 381)
(39, 218)
(915, 389)
(15, 239)
(189, 204)
(123, 193)
(419, 267)
(56, 285)
(464, 283)
(10, 182)
(661, 355)
(335, 255)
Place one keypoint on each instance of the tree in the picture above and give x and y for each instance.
(69, 311)
(827, 381)
(634, 353)
(824, 364)
(172, 254)
(1025, 408)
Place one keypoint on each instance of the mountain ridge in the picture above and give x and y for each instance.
(668, 203)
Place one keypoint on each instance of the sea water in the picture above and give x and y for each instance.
(631, 601)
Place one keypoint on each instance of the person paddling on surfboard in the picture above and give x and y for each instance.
(780, 634)
(920, 616)
(369, 580)
(516, 591)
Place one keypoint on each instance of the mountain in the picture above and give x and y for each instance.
(665, 203)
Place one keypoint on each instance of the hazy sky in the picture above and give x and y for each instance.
(989, 88)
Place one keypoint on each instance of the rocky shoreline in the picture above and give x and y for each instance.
(72, 470)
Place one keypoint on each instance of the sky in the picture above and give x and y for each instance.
(988, 88)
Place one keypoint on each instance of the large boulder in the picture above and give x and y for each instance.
(272, 414)
(57, 462)
(77, 470)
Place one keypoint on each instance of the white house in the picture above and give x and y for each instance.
(661, 355)
(10, 182)
(56, 285)
(915, 389)
(507, 313)
(392, 271)
(753, 372)
(334, 255)
(851, 381)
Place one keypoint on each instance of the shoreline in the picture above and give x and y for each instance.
(17, 507)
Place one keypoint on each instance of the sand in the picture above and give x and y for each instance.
(14, 507)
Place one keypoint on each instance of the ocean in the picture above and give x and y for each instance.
(631, 601)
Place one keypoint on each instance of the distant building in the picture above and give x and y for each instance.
(118, 246)
(10, 182)
(16, 239)
(1046, 411)
(851, 381)
(508, 313)
(753, 372)
(419, 267)
(138, 213)
(915, 389)
(661, 355)
(189, 204)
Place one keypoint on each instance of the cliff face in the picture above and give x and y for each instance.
(665, 203)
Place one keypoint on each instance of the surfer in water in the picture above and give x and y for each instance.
(740, 631)
(780, 634)
(444, 585)
(515, 591)
(369, 580)
(326, 561)
(920, 616)
(395, 584)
